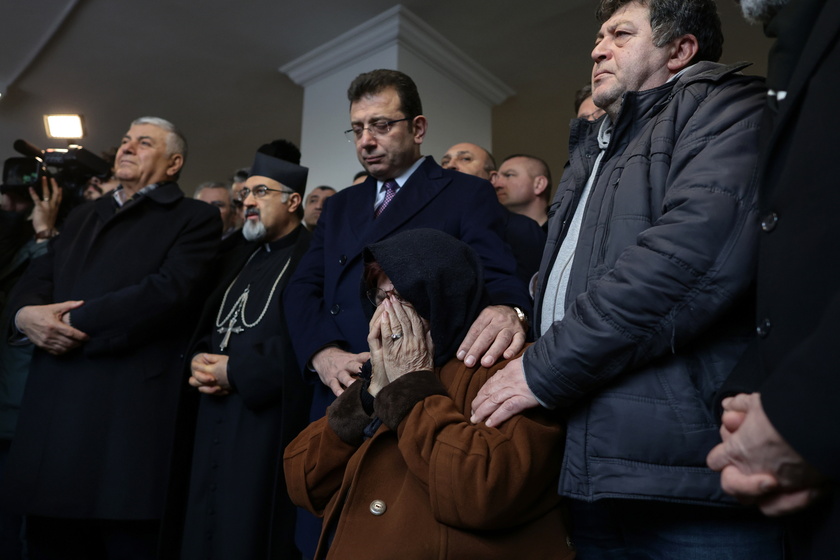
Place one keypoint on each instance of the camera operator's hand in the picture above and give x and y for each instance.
(45, 210)
(47, 327)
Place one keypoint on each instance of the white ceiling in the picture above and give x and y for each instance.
(212, 66)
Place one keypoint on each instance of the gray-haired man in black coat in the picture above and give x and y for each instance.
(109, 309)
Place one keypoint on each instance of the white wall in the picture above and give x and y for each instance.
(330, 157)
(454, 114)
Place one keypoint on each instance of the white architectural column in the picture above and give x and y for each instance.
(457, 93)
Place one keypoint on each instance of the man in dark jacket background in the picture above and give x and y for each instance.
(109, 309)
(641, 306)
(781, 446)
(524, 235)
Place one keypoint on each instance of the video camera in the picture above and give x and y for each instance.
(71, 167)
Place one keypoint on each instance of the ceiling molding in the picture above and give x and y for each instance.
(398, 26)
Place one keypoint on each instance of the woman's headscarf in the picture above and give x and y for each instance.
(440, 276)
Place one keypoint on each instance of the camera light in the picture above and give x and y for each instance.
(64, 126)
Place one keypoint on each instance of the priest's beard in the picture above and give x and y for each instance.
(253, 230)
(761, 11)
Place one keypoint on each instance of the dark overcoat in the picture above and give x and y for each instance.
(96, 424)
(324, 294)
(794, 361)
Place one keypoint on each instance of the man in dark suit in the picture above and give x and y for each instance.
(323, 296)
(781, 442)
(404, 191)
(109, 309)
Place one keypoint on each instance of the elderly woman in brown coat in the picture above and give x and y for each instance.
(396, 469)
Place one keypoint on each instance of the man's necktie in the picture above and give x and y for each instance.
(390, 191)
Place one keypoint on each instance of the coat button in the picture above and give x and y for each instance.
(335, 309)
(377, 507)
(342, 259)
(768, 222)
(569, 543)
(763, 328)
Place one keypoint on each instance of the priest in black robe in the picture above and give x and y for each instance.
(253, 398)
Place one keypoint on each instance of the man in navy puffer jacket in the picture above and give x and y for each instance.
(642, 306)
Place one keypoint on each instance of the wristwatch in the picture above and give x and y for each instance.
(46, 233)
(522, 317)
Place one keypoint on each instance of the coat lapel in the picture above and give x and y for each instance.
(420, 189)
(822, 37)
(360, 207)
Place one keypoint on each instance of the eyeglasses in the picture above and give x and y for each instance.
(377, 296)
(378, 128)
(260, 191)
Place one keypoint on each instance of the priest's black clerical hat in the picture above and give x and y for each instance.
(282, 171)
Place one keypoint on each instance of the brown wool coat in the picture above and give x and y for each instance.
(450, 489)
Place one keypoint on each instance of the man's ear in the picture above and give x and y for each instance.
(294, 202)
(420, 125)
(540, 184)
(682, 51)
(176, 162)
(493, 176)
